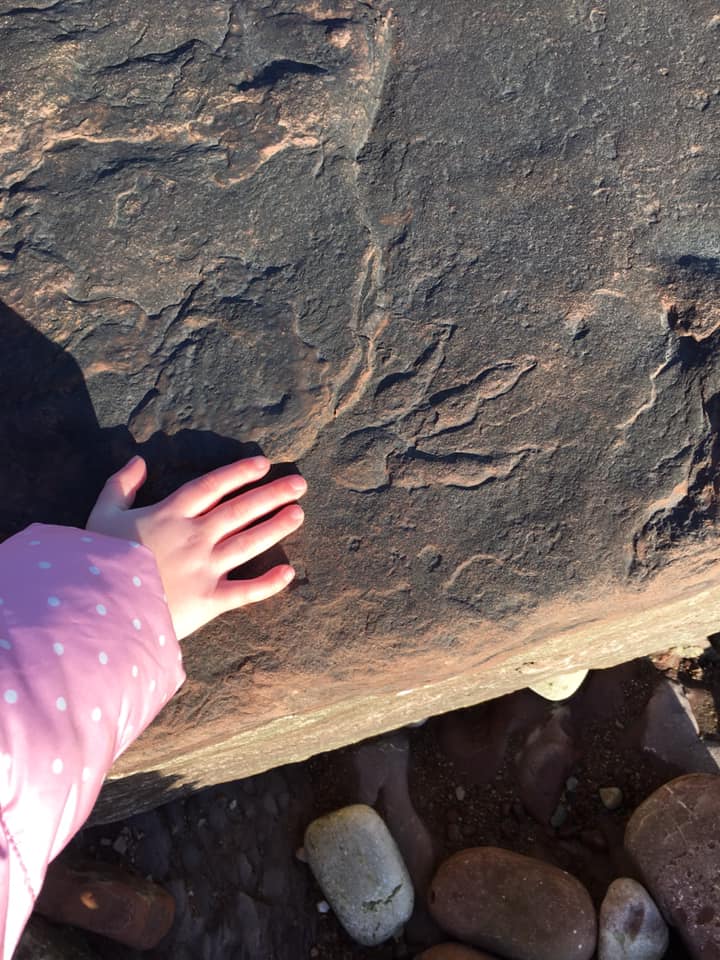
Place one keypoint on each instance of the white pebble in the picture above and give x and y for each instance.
(375, 898)
(631, 927)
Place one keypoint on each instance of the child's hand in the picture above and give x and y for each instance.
(197, 540)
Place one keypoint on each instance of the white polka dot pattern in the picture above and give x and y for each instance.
(87, 658)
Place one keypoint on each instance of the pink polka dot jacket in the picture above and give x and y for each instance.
(88, 657)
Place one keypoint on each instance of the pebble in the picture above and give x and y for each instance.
(559, 688)
(359, 869)
(631, 927)
(611, 797)
(453, 951)
(516, 906)
(544, 763)
(674, 840)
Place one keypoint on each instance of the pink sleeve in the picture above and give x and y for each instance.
(88, 657)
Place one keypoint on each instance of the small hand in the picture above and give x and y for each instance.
(197, 540)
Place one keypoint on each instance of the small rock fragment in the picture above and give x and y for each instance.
(669, 732)
(611, 797)
(674, 840)
(631, 927)
(516, 906)
(544, 763)
(359, 869)
(559, 816)
(453, 951)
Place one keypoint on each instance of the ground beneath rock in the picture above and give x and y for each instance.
(229, 854)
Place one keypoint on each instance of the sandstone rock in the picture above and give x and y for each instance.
(360, 871)
(544, 763)
(453, 951)
(512, 905)
(216, 230)
(669, 732)
(630, 926)
(674, 839)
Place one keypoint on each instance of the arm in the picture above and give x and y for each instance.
(88, 648)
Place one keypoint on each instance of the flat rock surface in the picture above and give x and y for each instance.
(458, 262)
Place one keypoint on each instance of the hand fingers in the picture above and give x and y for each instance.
(233, 594)
(243, 510)
(198, 496)
(242, 547)
(120, 489)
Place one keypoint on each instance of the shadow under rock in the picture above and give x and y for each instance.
(56, 456)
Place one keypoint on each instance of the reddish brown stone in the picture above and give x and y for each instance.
(674, 839)
(453, 951)
(216, 230)
(516, 906)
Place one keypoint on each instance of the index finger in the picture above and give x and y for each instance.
(198, 496)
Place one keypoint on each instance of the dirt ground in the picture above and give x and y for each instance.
(519, 772)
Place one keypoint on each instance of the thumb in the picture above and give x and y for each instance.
(120, 490)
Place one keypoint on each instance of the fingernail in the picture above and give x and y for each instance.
(288, 574)
(297, 483)
(260, 463)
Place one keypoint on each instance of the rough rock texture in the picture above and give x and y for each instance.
(459, 262)
(360, 870)
(516, 906)
(674, 840)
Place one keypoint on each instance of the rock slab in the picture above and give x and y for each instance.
(674, 839)
(516, 906)
(458, 262)
(361, 872)
(631, 926)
